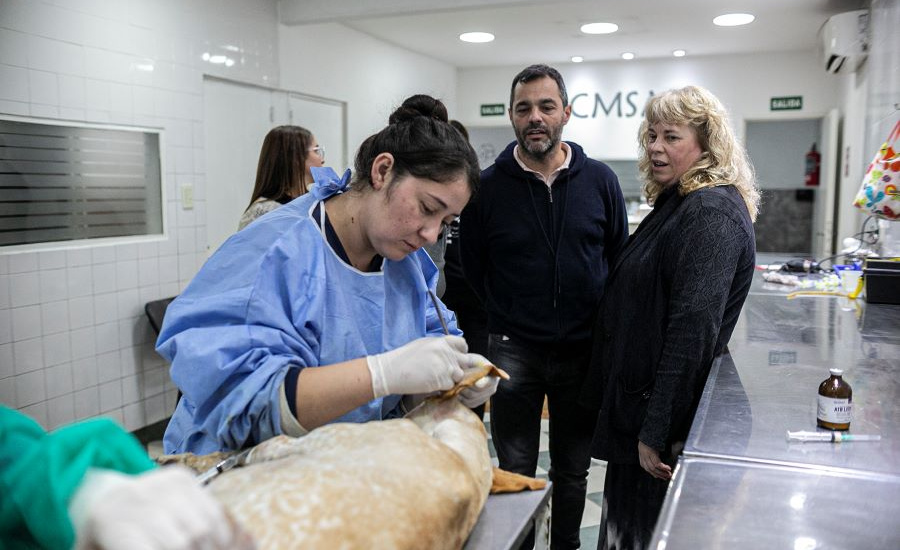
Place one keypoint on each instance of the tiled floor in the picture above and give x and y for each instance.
(590, 521)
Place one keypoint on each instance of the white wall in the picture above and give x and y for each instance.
(373, 77)
(744, 83)
(882, 72)
(853, 91)
(868, 100)
(74, 341)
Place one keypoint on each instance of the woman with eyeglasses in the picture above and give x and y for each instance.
(283, 173)
(322, 311)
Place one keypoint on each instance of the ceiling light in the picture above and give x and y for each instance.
(599, 28)
(217, 59)
(577, 59)
(733, 19)
(679, 53)
(627, 55)
(477, 37)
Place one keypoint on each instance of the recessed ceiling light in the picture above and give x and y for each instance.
(599, 28)
(733, 19)
(627, 55)
(679, 53)
(577, 59)
(477, 37)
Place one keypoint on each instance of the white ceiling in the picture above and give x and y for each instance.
(529, 31)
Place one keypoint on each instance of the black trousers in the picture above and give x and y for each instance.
(516, 424)
(632, 500)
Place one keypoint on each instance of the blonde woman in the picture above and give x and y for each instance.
(671, 302)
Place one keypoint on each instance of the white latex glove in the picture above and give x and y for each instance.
(480, 391)
(161, 509)
(426, 365)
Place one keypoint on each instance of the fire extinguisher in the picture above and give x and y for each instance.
(813, 161)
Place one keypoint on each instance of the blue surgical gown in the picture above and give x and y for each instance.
(277, 296)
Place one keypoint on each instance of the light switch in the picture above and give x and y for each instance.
(187, 196)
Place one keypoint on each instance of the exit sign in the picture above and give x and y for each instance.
(493, 109)
(788, 103)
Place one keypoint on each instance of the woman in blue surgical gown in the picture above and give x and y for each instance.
(321, 311)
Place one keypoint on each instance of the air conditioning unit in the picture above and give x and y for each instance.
(844, 40)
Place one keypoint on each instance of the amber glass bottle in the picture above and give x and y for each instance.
(835, 402)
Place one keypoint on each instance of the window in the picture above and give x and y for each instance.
(63, 183)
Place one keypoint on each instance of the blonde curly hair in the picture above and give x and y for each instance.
(723, 162)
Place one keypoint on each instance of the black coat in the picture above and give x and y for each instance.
(537, 257)
(671, 304)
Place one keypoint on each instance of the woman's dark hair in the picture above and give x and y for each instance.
(460, 128)
(280, 174)
(422, 143)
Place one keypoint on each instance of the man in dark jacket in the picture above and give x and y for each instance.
(536, 244)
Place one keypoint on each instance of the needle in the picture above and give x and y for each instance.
(440, 315)
(836, 437)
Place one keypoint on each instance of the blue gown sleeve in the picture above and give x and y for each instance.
(231, 337)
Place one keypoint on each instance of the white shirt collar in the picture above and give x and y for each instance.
(553, 175)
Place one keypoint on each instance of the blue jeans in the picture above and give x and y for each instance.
(557, 372)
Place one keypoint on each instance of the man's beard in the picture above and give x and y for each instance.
(539, 150)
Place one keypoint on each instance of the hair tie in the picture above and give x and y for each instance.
(327, 182)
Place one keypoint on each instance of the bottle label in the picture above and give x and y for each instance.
(835, 411)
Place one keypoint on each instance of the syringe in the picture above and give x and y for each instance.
(836, 437)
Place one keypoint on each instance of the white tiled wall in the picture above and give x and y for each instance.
(74, 341)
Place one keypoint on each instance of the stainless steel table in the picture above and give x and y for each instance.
(507, 519)
(726, 504)
(741, 484)
(780, 351)
(745, 412)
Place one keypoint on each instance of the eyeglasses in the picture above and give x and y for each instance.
(319, 150)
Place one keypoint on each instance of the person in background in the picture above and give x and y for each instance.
(90, 485)
(320, 311)
(437, 253)
(535, 245)
(459, 296)
(671, 302)
(283, 172)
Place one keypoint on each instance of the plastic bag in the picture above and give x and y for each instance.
(880, 191)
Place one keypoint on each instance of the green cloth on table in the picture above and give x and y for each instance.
(41, 471)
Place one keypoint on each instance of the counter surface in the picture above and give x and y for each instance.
(722, 504)
(780, 352)
(506, 520)
(741, 484)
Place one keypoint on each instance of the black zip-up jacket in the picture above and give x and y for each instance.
(538, 257)
(674, 296)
